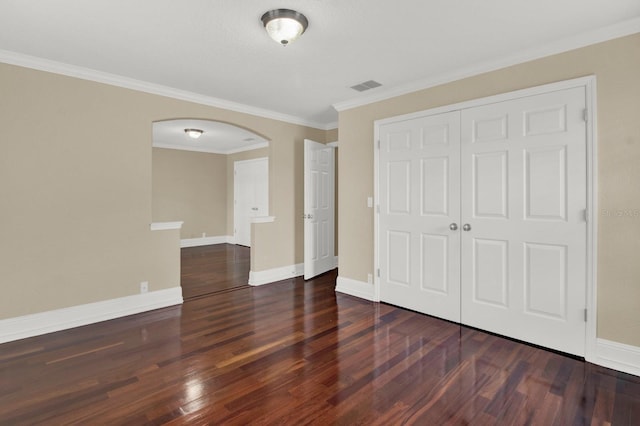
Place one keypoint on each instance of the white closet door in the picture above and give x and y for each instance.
(524, 197)
(419, 175)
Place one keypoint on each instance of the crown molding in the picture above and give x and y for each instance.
(41, 64)
(599, 35)
(210, 150)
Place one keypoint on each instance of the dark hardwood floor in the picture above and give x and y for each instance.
(213, 269)
(295, 353)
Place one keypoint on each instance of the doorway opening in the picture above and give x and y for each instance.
(193, 182)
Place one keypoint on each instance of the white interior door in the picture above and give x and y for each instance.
(523, 201)
(419, 196)
(319, 208)
(251, 196)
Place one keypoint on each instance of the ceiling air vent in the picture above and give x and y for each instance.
(366, 86)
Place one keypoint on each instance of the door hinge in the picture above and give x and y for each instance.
(378, 208)
(585, 314)
(378, 143)
(585, 115)
(586, 215)
(378, 272)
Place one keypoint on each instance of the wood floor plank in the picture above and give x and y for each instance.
(296, 353)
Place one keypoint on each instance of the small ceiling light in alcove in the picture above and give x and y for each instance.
(194, 133)
(284, 25)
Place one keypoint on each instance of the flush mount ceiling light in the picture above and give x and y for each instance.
(284, 25)
(194, 133)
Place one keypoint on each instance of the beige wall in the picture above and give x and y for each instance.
(617, 66)
(191, 187)
(76, 190)
(332, 135)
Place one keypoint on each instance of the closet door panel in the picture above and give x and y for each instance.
(523, 165)
(419, 193)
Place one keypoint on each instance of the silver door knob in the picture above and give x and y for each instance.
(466, 227)
(453, 226)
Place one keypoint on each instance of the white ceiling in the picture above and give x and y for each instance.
(218, 49)
(218, 137)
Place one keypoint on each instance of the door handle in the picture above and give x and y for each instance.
(254, 208)
(453, 226)
(466, 227)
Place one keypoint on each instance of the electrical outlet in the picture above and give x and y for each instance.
(144, 287)
(204, 234)
(370, 278)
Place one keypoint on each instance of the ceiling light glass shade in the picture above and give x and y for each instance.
(284, 25)
(194, 133)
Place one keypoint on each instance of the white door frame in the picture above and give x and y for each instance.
(589, 84)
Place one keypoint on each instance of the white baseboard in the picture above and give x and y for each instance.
(205, 241)
(618, 356)
(355, 288)
(276, 274)
(75, 316)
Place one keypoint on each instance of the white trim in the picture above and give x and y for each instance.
(622, 29)
(204, 241)
(251, 160)
(376, 206)
(210, 150)
(356, 288)
(333, 144)
(589, 84)
(263, 219)
(501, 97)
(248, 148)
(335, 262)
(27, 61)
(592, 225)
(165, 226)
(276, 274)
(618, 356)
(76, 316)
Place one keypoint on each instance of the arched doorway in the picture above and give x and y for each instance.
(193, 182)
